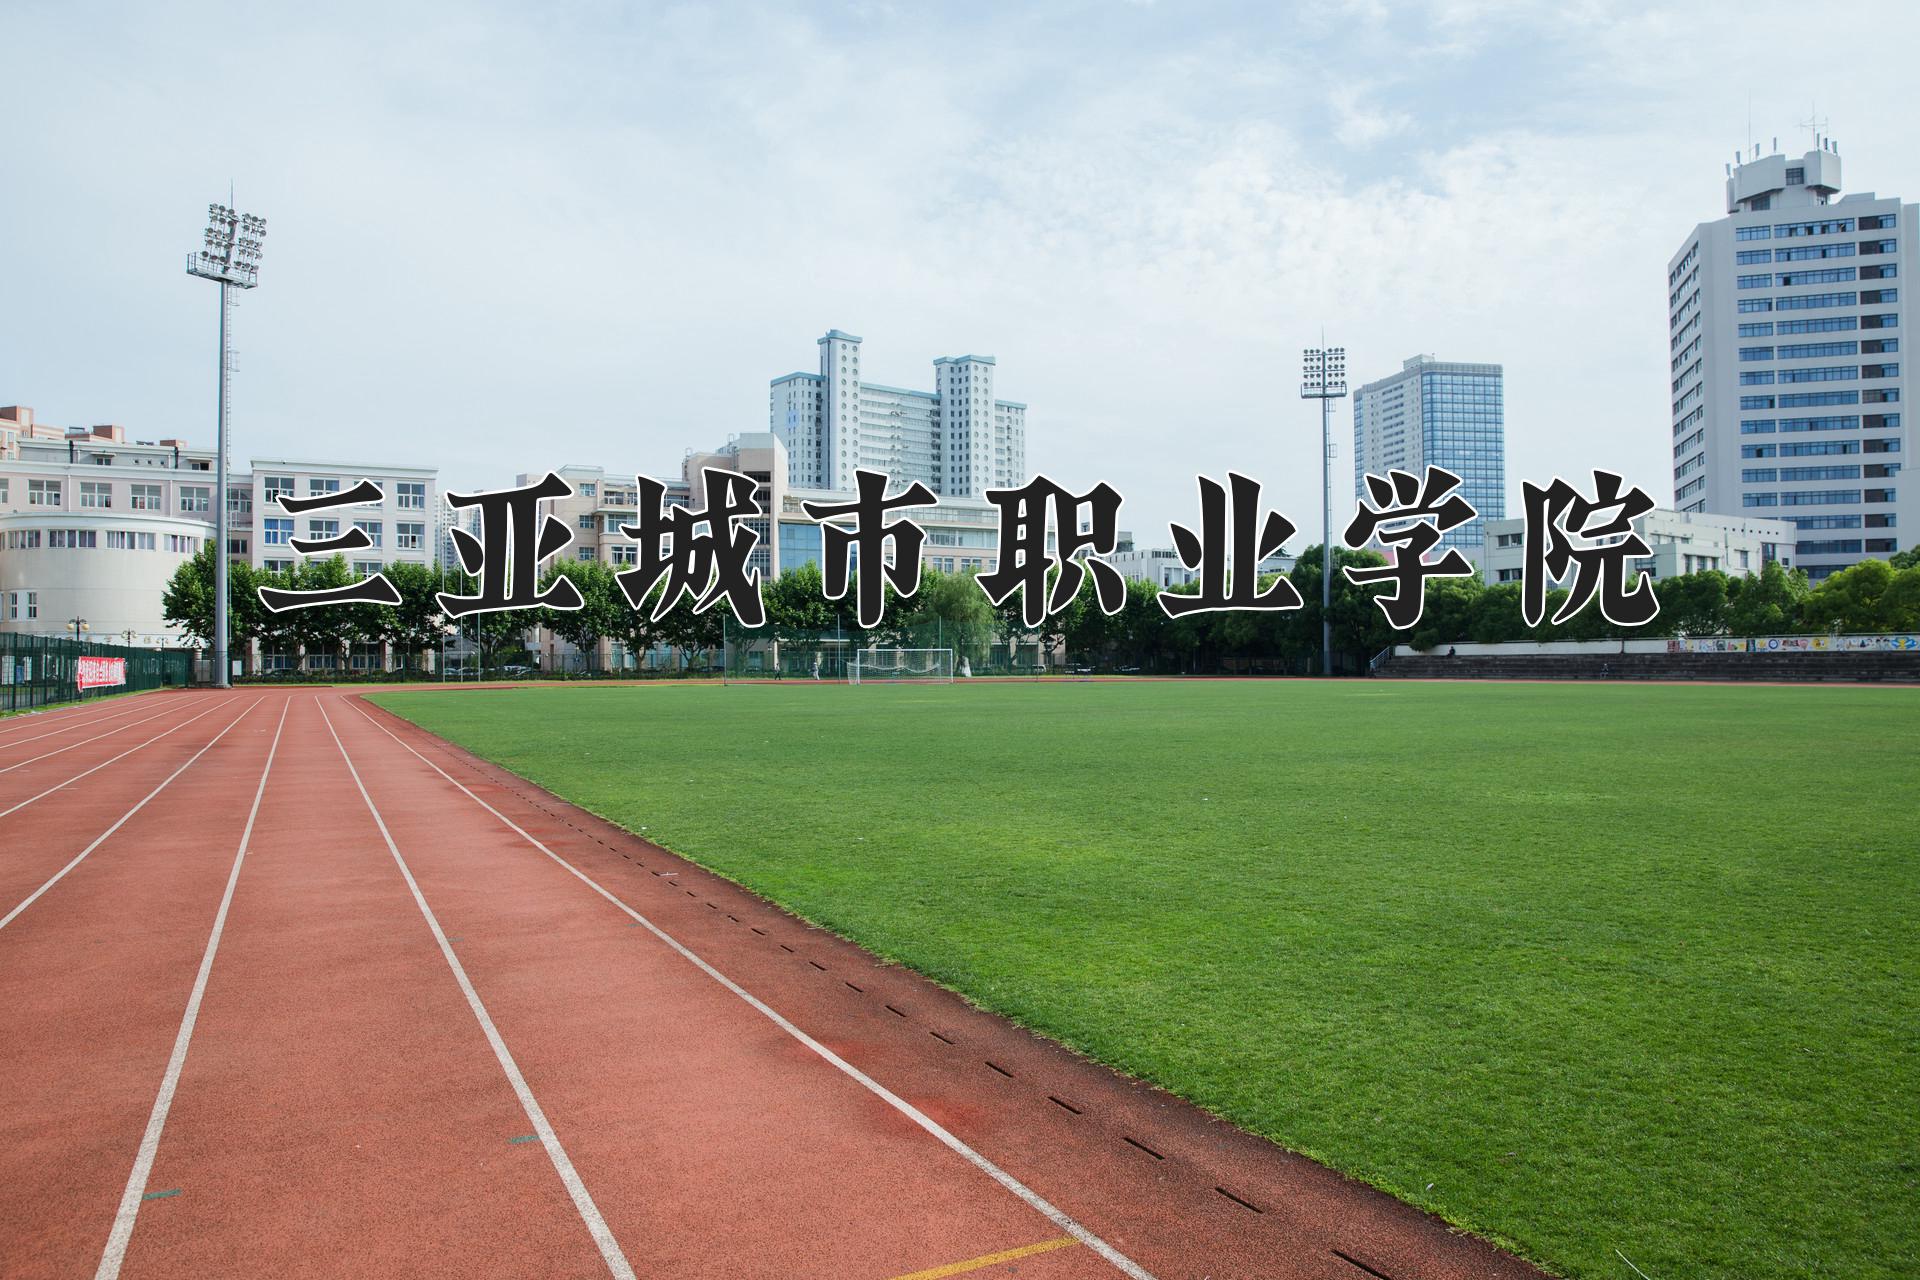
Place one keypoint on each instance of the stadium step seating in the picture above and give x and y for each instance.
(1841, 666)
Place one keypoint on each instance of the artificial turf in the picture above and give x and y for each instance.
(1598, 971)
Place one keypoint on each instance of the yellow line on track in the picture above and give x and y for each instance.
(989, 1259)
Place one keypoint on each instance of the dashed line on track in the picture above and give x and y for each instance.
(118, 1238)
(610, 1250)
(80, 857)
(1020, 1190)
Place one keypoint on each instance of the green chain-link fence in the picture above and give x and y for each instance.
(38, 671)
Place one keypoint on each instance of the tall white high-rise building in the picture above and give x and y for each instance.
(1437, 413)
(1784, 333)
(957, 439)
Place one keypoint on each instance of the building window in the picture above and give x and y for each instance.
(586, 521)
(143, 497)
(587, 554)
(194, 499)
(276, 532)
(412, 495)
(589, 490)
(319, 484)
(409, 537)
(1796, 176)
(372, 528)
(323, 529)
(277, 487)
(96, 493)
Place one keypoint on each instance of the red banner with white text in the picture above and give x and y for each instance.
(100, 673)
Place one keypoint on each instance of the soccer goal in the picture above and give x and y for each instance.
(887, 665)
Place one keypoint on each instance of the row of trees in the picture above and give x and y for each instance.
(1872, 596)
(412, 627)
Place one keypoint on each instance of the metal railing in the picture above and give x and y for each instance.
(39, 671)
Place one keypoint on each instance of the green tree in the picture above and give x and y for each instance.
(1448, 617)
(602, 610)
(1768, 603)
(417, 624)
(1900, 605)
(797, 605)
(187, 601)
(951, 609)
(1360, 630)
(1852, 599)
(328, 629)
(1691, 604)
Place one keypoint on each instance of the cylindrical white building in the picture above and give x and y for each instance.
(110, 568)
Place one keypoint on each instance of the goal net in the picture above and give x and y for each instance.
(889, 665)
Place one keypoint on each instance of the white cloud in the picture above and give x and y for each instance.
(496, 244)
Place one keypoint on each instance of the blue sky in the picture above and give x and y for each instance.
(502, 240)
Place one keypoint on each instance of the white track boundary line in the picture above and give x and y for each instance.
(80, 857)
(123, 1221)
(123, 755)
(48, 755)
(40, 717)
(1059, 1217)
(69, 725)
(589, 1212)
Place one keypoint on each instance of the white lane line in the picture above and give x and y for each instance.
(80, 857)
(65, 715)
(69, 724)
(1034, 1200)
(123, 1221)
(582, 1200)
(218, 702)
(48, 755)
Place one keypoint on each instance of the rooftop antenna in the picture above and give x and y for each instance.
(1816, 124)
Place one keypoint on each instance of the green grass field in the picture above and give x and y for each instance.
(1582, 968)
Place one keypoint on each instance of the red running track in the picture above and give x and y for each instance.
(291, 988)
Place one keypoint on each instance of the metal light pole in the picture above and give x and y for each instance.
(1323, 377)
(230, 258)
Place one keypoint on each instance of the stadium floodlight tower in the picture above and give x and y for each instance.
(1323, 377)
(231, 258)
